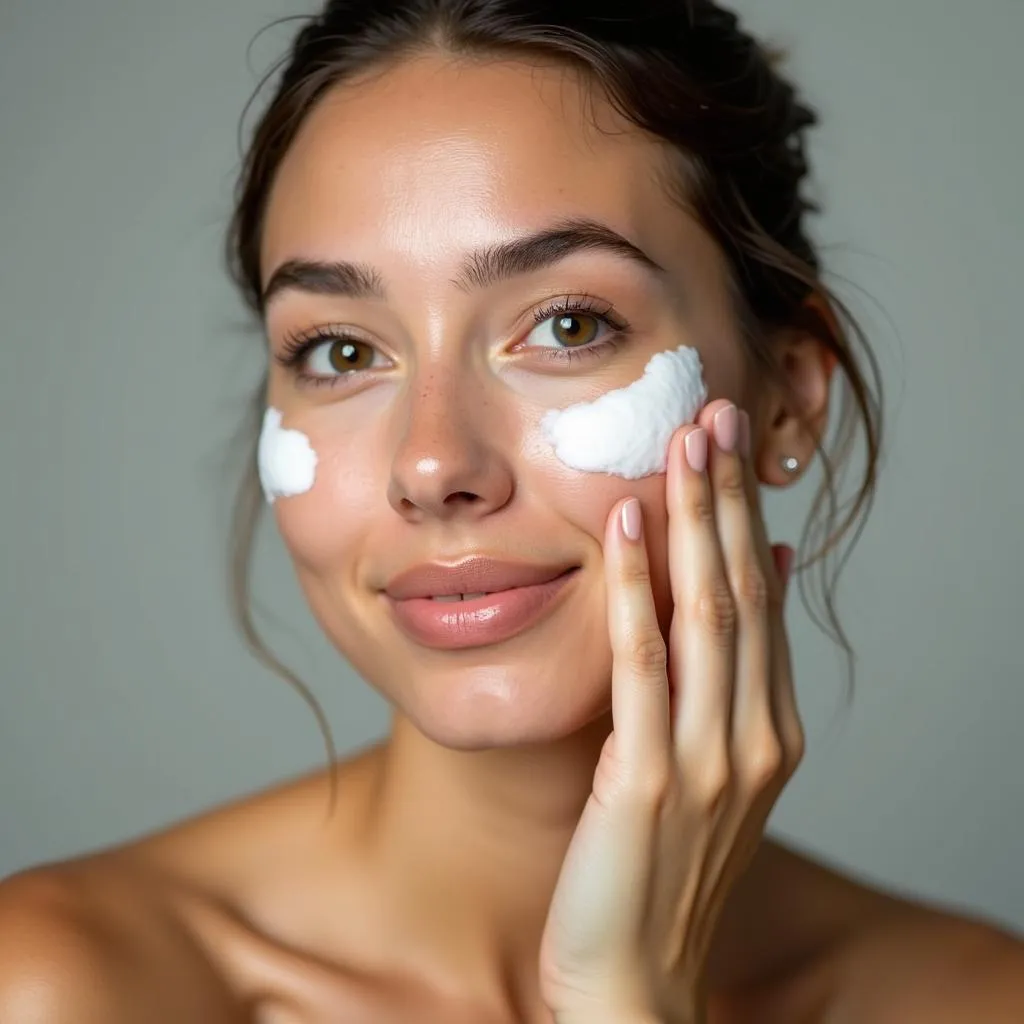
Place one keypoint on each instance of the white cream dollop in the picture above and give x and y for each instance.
(627, 432)
(287, 462)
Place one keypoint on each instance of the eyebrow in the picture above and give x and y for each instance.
(480, 269)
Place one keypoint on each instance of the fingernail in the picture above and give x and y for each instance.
(696, 445)
(744, 434)
(632, 519)
(726, 425)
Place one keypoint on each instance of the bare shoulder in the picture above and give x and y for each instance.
(79, 943)
(785, 909)
(794, 923)
(160, 928)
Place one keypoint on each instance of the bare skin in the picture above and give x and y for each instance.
(265, 911)
(423, 897)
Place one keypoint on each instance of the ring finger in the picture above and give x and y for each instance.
(750, 581)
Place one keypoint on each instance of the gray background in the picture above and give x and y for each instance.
(127, 701)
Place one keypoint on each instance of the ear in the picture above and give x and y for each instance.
(792, 418)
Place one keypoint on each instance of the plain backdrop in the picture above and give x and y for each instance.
(128, 701)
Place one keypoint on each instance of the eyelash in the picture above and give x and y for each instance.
(298, 346)
(583, 303)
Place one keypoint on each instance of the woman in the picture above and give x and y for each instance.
(454, 220)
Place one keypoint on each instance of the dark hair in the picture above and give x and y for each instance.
(683, 70)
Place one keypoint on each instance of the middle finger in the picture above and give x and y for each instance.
(701, 643)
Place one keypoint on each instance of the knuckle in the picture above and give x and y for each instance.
(649, 786)
(751, 588)
(649, 654)
(716, 611)
(635, 573)
(730, 483)
(700, 508)
(712, 782)
(764, 762)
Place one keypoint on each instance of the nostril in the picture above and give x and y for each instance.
(467, 496)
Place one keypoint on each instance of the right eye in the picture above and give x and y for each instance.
(340, 355)
(326, 357)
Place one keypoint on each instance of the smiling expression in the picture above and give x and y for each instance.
(450, 250)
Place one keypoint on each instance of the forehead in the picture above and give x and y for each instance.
(439, 153)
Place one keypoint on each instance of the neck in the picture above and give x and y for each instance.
(470, 844)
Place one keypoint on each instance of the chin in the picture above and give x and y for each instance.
(491, 707)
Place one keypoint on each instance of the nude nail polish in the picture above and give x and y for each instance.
(696, 446)
(726, 425)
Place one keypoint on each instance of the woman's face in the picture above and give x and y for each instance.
(426, 425)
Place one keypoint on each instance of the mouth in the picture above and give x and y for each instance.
(466, 619)
(464, 598)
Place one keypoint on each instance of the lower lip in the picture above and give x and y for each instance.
(452, 625)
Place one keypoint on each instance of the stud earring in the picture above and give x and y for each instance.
(789, 463)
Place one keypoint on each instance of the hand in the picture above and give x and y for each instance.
(705, 736)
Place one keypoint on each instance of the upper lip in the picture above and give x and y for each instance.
(473, 575)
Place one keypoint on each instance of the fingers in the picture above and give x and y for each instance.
(784, 704)
(754, 588)
(782, 693)
(704, 623)
(640, 694)
(755, 756)
(767, 735)
(727, 656)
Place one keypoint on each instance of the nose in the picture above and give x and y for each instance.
(444, 466)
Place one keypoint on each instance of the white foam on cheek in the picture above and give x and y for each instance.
(287, 462)
(626, 432)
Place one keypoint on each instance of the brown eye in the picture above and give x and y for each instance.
(349, 355)
(338, 357)
(572, 329)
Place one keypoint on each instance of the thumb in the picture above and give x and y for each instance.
(782, 554)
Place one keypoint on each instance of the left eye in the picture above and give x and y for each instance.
(566, 330)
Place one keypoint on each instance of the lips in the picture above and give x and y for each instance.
(476, 603)
(475, 575)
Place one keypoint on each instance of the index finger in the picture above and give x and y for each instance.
(640, 692)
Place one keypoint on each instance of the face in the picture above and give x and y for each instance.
(425, 413)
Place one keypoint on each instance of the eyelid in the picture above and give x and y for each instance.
(579, 302)
(297, 345)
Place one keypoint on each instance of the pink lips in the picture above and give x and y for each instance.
(515, 597)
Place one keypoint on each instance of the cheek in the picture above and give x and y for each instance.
(586, 501)
(323, 529)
